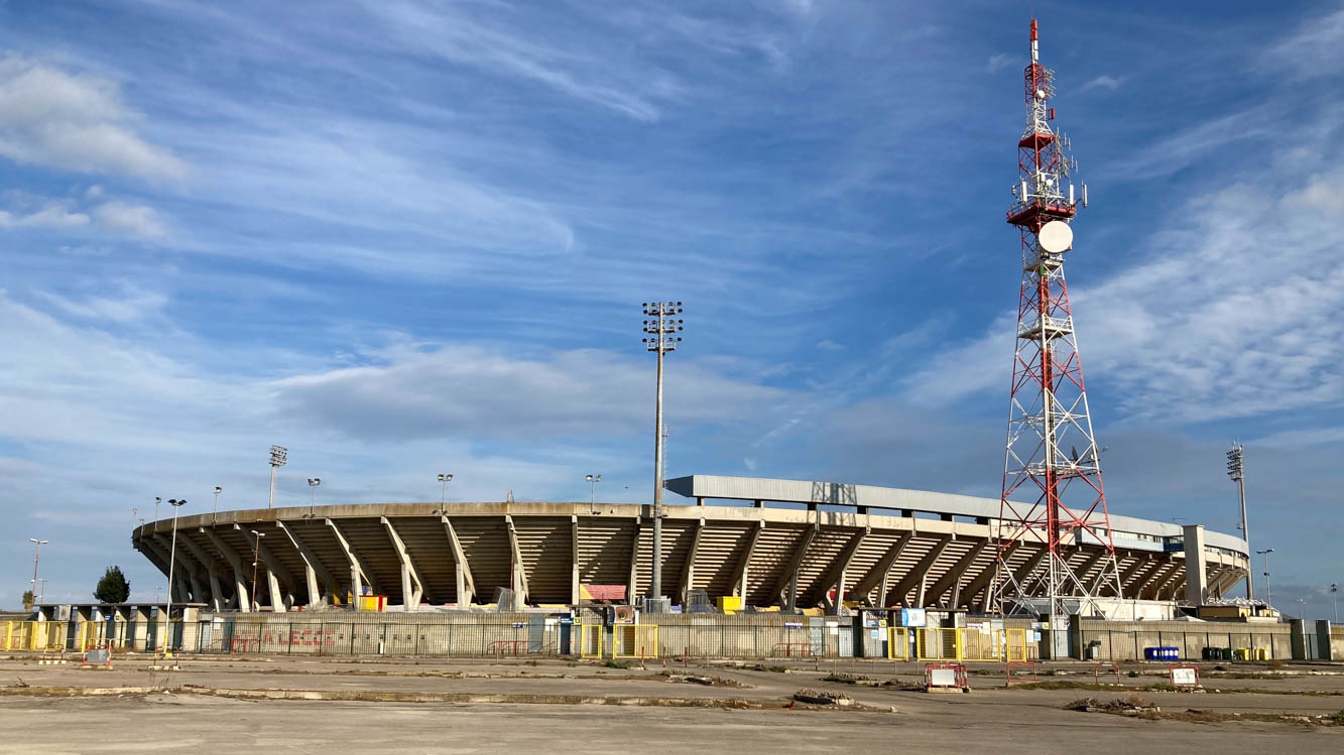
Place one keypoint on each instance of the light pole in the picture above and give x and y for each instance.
(662, 338)
(215, 513)
(444, 479)
(1269, 590)
(1237, 471)
(157, 501)
(313, 482)
(1334, 598)
(256, 550)
(37, 552)
(593, 479)
(279, 455)
(176, 503)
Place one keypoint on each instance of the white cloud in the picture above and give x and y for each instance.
(452, 34)
(469, 391)
(53, 215)
(133, 304)
(1314, 49)
(133, 219)
(1110, 83)
(1000, 61)
(73, 122)
(1233, 313)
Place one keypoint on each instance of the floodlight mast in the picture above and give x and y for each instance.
(279, 455)
(661, 329)
(1237, 471)
(1052, 485)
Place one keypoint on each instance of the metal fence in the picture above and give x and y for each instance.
(370, 637)
(520, 635)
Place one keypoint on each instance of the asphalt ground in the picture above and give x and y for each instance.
(448, 705)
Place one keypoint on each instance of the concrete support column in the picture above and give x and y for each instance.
(277, 594)
(688, 566)
(740, 573)
(1196, 566)
(466, 586)
(517, 570)
(241, 599)
(412, 588)
(574, 595)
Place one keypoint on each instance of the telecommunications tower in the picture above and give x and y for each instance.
(1053, 500)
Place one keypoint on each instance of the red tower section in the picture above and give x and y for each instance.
(1053, 501)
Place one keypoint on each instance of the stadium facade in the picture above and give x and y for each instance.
(785, 543)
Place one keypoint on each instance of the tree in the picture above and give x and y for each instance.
(113, 587)
(28, 600)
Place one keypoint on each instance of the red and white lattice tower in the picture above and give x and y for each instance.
(1052, 491)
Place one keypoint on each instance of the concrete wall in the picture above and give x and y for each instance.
(1126, 640)
(695, 635)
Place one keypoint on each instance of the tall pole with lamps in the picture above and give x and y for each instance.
(279, 455)
(661, 328)
(1269, 590)
(444, 479)
(37, 552)
(176, 503)
(1237, 471)
(592, 479)
(313, 482)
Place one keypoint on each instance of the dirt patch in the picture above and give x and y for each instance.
(1130, 705)
(1140, 707)
(706, 681)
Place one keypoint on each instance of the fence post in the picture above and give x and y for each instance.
(352, 638)
(289, 627)
(416, 627)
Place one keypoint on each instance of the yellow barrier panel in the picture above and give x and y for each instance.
(634, 641)
(981, 644)
(590, 640)
(898, 643)
(937, 644)
(1015, 645)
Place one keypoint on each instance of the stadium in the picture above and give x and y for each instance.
(772, 544)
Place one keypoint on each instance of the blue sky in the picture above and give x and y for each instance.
(408, 238)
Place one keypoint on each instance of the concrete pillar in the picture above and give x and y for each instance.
(574, 596)
(1196, 568)
(277, 595)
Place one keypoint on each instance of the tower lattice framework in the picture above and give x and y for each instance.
(1053, 498)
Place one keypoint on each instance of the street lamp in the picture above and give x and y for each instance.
(444, 479)
(157, 501)
(313, 482)
(256, 549)
(176, 503)
(218, 489)
(661, 329)
(1334, 598)
(593, 479)
(279, 455)
(37, 550)
(1236, 470)
(1269, 591)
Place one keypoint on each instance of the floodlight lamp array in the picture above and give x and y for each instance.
(1235, 470)
(279, 455)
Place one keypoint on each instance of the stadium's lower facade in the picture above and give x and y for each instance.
(783, 543)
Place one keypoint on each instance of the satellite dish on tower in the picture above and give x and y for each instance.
(1055, 237)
